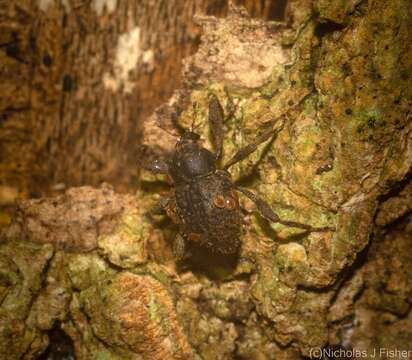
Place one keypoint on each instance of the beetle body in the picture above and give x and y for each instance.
(209, 214)
(206, 204)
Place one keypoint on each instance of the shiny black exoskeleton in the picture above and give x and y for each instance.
(204, 202)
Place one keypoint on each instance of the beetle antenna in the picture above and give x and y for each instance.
(193, 126)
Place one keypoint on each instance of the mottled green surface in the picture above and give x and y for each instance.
(22, 271)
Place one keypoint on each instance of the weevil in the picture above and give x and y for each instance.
(204, 202)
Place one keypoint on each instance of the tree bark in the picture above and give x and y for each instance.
(78, 79)
(337, 74)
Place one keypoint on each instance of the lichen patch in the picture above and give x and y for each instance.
(128, 53)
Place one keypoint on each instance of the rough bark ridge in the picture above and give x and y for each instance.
(339, 75)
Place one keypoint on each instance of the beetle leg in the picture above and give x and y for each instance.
(245, 151)
(179, 247)
(216, 117)
(171, 209)
(267, 212)
(158, 208)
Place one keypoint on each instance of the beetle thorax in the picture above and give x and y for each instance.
(191, 161)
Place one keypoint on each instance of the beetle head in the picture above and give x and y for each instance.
(189, 137)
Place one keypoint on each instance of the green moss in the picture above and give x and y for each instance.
(279, 81)
(369, 123)
(84, 270)
(126, 245)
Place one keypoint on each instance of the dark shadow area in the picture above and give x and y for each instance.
(212, 265)
(396, 187)
(325, 28)
(277, 10)
(265, 9)
(216, 8)
(60, 347)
